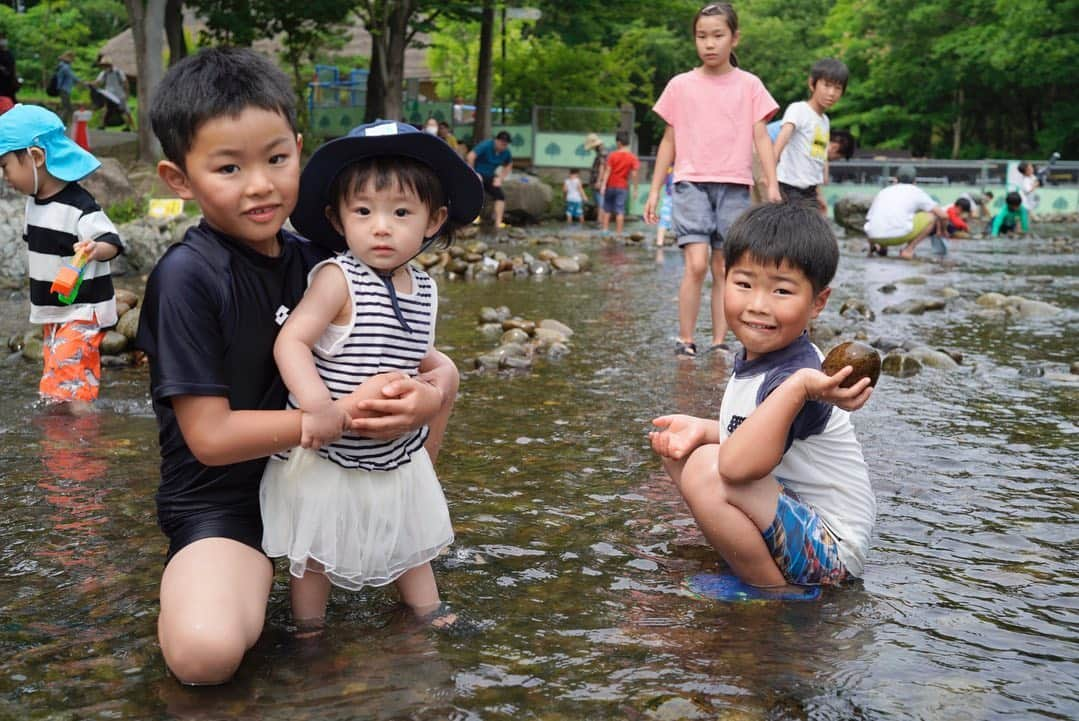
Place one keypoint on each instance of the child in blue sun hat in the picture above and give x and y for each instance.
(347, 510)
(62, 220)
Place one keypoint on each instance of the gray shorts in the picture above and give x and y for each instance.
(705, 212)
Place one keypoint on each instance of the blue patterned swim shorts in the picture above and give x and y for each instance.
(802, 546)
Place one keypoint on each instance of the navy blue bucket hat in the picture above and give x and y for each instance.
(462, 187)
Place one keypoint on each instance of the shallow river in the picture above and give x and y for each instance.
(572, 547)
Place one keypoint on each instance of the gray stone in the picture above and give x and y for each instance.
(516, 362)
(933, 358)
(850, 212)
(900, 365)
(113, 343)
(109, 184)
(559, 326)
(527, 198)
(566, 265)
(129, 324)
(514, 335)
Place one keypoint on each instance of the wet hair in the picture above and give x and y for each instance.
(386, 172)
(621, 137)
(847, 143)
(775, 232)
(215, 83)
(729, 15)
(829, 69)
(503, 135)
(1013, 200)
(963, 204)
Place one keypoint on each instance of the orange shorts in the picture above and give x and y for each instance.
(72, 361)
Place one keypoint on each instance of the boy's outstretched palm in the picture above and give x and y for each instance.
(679, 434)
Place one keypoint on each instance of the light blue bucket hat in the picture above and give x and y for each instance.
(26, 126)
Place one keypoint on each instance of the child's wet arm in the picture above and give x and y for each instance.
(756, 447)
(218, 435)
(323, 303)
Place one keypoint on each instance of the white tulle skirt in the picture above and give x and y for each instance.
(365, 528)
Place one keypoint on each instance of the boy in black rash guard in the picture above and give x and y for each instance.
(214, 304)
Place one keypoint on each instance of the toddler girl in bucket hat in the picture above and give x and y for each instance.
(62, 220)
(358, 511)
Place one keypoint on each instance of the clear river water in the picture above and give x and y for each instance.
(572, 546)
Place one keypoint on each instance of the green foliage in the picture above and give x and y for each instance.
(128, 209)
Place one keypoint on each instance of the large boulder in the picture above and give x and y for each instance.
(109, 184)
(527, 198)
(850, 212)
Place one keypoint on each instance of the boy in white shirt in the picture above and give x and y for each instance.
(802, 143)
(777, 484)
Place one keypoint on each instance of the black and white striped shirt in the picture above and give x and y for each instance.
(374, 342)
(52, 228)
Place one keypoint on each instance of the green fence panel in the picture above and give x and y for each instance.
(520, 138)
(565, 150)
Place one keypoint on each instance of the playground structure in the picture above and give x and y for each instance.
(553, 137)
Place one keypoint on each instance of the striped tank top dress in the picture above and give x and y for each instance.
(366, 510)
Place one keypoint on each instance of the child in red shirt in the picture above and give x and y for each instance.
(622, 165)
(958, 212)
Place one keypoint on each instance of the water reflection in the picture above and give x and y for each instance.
(572, 544)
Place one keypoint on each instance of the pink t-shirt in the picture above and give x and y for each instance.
(712, 117)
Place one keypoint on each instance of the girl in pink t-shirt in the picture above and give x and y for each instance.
(716, 115)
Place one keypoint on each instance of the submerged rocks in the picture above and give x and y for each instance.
(521, 340)
(1016, 306)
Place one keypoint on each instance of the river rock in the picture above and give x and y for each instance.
(552, 324)
(127, 297)
(916, 306)
(109, 184)
(850, 212)
(864, 359)
(547, 254)
(527, 326)
(1027, 308)
(547, 336)
(557, 350)
(584, 262)
(516, 362)
(991, 300)
(900, 365)
(129, 324)
(566, 265)
(113, 343)
(933, 358)
(33, 346)
(426, 260)
(856, 307)
(527, 198)
(514, 335)
(494, 315)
